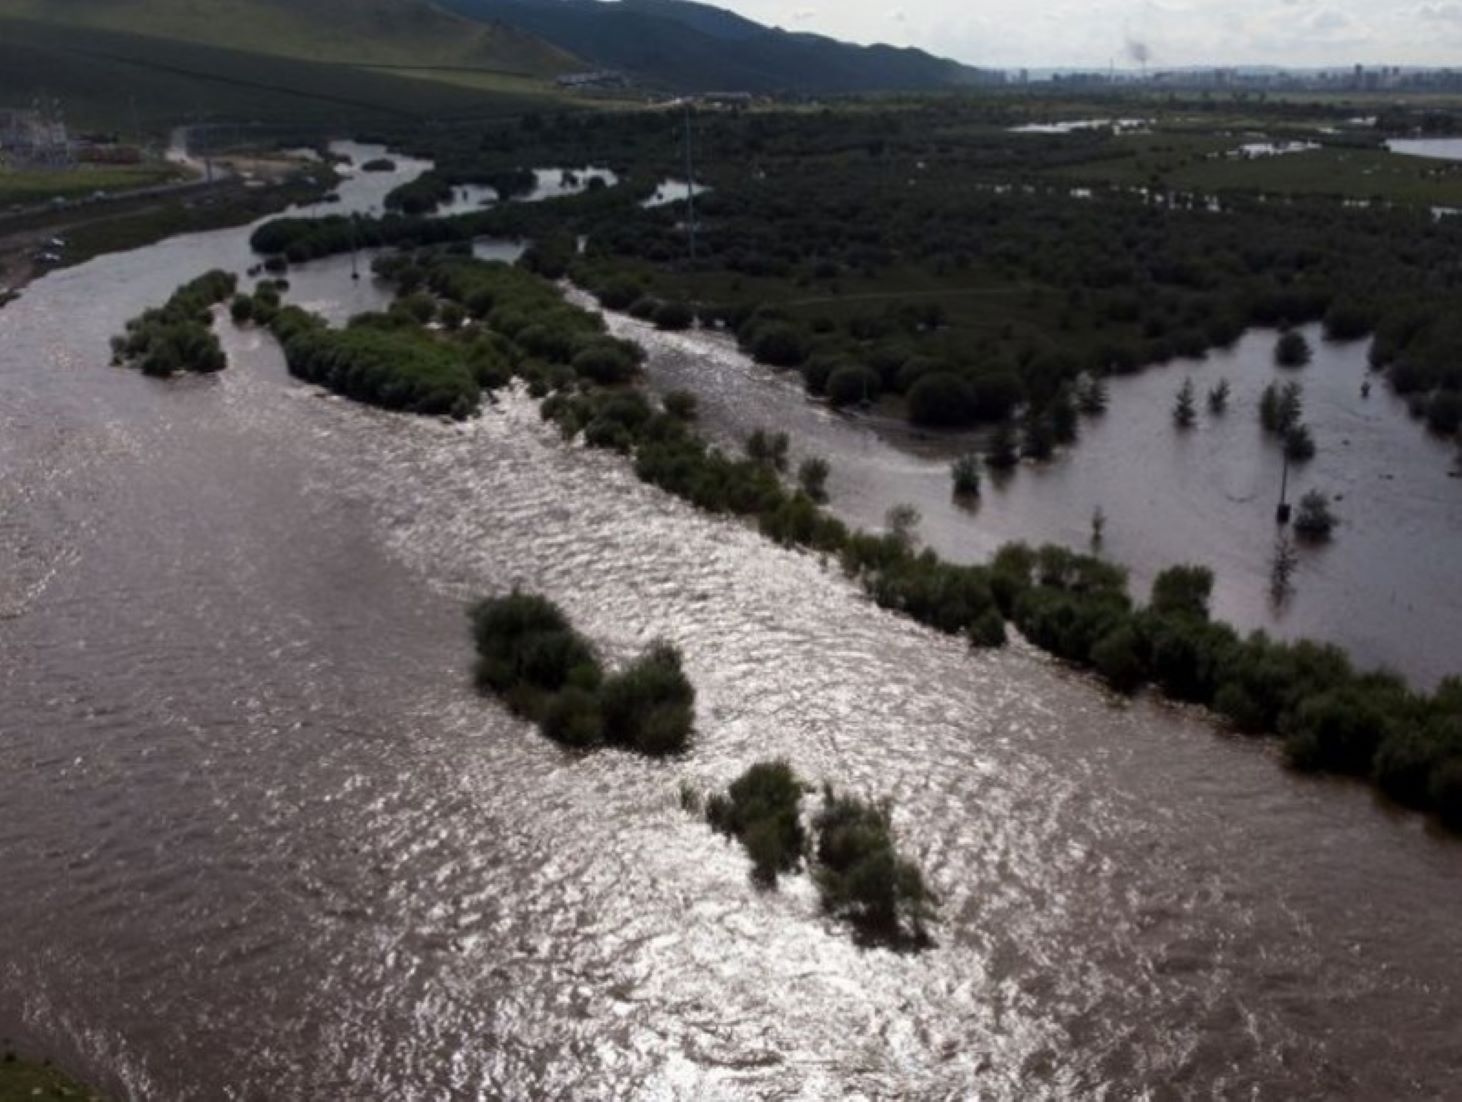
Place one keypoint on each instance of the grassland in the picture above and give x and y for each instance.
(350, 32)
(130, 83)
(1200, 162)
(21, 188)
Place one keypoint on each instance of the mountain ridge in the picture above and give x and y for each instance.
(687, 46)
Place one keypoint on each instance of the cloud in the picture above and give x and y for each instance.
(1440, 13)
(1094, 33)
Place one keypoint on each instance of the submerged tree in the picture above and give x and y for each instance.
(1314, 520)
(812, 477)
(1282, 568)
(1281, 408)
(1002, 454)
(902, 522)
(1091, 395)
(1218, 397)
(1184, 408)
(965, 472)
(1299, 445)
(1292, 350)
(761, 810)
(861, 875)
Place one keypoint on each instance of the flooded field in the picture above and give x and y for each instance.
(1383, 588)
(262, 840)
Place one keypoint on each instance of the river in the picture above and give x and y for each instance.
(262, 840)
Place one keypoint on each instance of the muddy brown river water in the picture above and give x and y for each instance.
(262, 840)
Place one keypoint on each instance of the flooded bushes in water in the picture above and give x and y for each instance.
(530, 656)
(1292, 350)
(762, 810)
(1074, 606)
(1331, 717)
(860, 875)
(178, 336)
(419, 196)
(396, 368)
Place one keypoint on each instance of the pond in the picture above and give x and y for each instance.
(672, 190)
(1442, 149)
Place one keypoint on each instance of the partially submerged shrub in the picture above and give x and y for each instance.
(761, 809)
(178, 336)
(862, 877)
(649, 706)
(529, 654)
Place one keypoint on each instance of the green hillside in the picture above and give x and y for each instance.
(111, 80)
(411, 34)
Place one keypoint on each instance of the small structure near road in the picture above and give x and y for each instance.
(593, 81)
(34, 137)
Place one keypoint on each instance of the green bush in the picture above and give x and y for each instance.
(241, 308)
(178, 336)
(1117, 657)
(528, 654)
(852, 384)
(526, 651)
(941, 400)
(861, 876)
(1183, 591)
(649, 706)
(965, 472)
(1292, 350)
(673, 315)
(812, 477)
(762, 810)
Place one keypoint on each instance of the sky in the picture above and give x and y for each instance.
(1096, 33)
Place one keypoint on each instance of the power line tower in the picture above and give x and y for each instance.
(689, 185)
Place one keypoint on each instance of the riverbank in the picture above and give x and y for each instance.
(261, 186)
(26, 1081)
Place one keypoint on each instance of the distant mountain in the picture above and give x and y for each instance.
(697, 47)
(368, 33)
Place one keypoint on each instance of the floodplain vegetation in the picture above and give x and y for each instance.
(530, 655)
(860, 875)
(922, 258)
(178, 336)
(1330, 717)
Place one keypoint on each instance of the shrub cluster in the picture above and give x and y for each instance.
(855, 863)
(762, 810)
(1331, 717)
(1074, 606)
(529, 654)
(396, 366)
(178, 336)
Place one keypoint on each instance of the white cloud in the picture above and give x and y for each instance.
(1012, 33)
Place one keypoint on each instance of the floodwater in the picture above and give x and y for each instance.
(1070, 126)
(262, 840)
(549, 183)
(1386, 588)
(672, 190)
(1445, 149)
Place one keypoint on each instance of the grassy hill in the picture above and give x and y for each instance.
(112, 80)
(406, 34)
(697, 47)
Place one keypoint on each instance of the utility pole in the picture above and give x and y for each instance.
(689, 186)
(1281, 514)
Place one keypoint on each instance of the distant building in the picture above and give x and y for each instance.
(599, 78)
(33, 136)
(727, 99)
